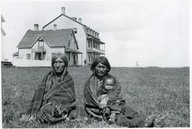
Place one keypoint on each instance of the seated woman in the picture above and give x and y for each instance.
(103, 98)
(54, 99)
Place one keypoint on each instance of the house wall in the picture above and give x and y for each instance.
(23, 53)
(24, 62)
(66, 23)
(72, 56)
(46, 47)
(31, 63)
(57, 50)
(48, 50)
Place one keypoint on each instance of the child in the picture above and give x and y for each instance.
(105, 90)
(103, 98)
(115, 110)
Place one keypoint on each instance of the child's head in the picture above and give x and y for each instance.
(109, 82)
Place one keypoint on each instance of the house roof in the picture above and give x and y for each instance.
(83, 25)
(72, 50)
(53, 38)
(16, 54)
(91, 37)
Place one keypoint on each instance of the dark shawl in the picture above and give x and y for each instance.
(127, 117)
(92, 91)
(62, 94)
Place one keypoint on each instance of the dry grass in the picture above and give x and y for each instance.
(160, 91)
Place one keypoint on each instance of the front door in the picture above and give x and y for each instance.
(39, 56)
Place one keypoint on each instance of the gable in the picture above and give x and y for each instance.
(73, 42)
(39, 40)
(65, 21)
(66, 17)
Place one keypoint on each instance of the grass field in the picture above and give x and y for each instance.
(163, 92)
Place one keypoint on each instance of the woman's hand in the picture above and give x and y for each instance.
(26, 118)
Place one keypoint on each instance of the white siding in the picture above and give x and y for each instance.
(31, 63)
(66, 23)
(46, 47)
(49, 51)
(24, 62)
(57, 50)
(23, 53)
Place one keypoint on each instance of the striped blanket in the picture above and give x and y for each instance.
(91, 92)
(61, 95)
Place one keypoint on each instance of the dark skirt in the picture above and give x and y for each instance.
(49, 114)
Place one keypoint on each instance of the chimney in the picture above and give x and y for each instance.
(36, 27)
(63, 10)
(80, 20)
(55, 27)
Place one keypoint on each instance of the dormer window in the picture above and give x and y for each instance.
(40, 43)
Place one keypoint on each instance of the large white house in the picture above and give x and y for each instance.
(37, 47)
(88, 39)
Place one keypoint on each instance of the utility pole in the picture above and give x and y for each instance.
(137, 64)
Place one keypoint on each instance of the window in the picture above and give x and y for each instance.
(28, 56)
(40, 44)
(69, 43)
(88, 44)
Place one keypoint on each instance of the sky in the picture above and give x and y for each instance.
(150, 32)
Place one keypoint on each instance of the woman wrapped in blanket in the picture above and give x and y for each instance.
(54, 99)
(103, 98)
